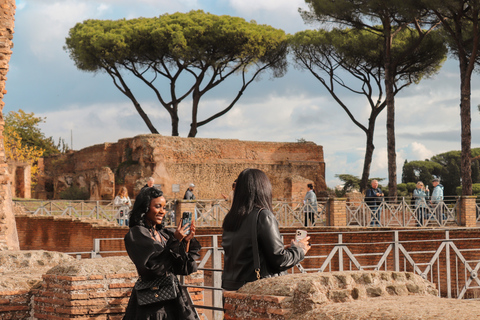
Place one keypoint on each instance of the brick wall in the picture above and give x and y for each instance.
(69, 235)
(83, 289)
(211, 164)
(8, 235)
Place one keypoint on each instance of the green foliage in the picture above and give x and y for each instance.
(74, 193)
(26, 126)
(406, 189)
(361, 53)
(351, 182)
(196, 49)
(476, 189)
(424, 171)
(446, 166)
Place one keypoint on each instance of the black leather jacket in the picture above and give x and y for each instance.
(238, 259)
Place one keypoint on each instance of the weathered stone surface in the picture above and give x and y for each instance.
(8, 231)
(361, 295)
(396, 308)
(110, 265)
(24, 269)
(211, 164)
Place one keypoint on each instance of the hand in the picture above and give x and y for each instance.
(192, 232)
(181, 231)
(303, 243)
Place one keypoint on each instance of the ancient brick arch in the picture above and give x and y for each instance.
(8, 231)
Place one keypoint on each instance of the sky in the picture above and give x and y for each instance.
(86, 109)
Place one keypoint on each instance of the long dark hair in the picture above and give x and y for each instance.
(142, 205)
(253, 189)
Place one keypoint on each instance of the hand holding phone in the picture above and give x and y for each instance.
(301, 240)
(187, 220)
(300, 234)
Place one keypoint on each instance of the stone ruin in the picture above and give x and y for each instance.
(211, 164)
(353, 295)
(8, 231)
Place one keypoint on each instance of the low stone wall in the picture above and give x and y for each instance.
(51, 285)
(345, 295)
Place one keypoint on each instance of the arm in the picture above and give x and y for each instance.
(272, 247)
(152, 259)
(184, 253)
(117, 201)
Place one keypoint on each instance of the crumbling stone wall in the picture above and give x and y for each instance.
(357, 295)
(211, 164)
(8, 232)
(52, 285)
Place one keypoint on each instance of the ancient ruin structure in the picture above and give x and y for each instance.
(8, 232)
(358, 295)
(175, 162)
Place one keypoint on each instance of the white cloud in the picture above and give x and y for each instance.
(420, 151)
(251, 6)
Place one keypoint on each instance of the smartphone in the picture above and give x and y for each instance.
(300, 234)
(187, 220)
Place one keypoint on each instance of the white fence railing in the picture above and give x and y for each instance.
(452, 264)
(208, 212)
(403, 213)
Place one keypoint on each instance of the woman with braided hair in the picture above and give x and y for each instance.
(158, 252)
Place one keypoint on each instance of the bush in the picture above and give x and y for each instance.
(74, 193)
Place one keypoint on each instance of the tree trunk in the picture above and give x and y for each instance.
(193, 126)
(367, 162)
(390, 98)
(144, 116)
(175, 120)
(465, 118)
(368, 150)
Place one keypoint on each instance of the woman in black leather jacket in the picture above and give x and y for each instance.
(253, 193)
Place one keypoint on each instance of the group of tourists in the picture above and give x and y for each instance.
(423, 205)
(253, 248)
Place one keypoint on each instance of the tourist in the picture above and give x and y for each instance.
(436, 202)
(150, 183)
(122, 203)
(189, 193)
(420, 194)
(158, 252)
(252, 210)
(374, 198)
(310, 206)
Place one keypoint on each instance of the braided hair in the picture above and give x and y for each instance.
(142, 205)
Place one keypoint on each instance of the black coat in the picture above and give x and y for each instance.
(152, 259)
(238, 266)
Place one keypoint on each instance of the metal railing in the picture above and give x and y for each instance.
(452, 264)
(208, 212)
(403, 213)
(477, 207)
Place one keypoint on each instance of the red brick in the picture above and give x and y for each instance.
(121, 285)
(281, 312)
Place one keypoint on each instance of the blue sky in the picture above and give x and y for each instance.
(43, 79)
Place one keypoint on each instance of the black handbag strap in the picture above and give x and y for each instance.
(256, 255)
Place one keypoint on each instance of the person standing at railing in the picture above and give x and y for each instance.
(436, 202)
(190, 196)
(310, 206)
(253, 247)
(159, 254)
(122, 203)
(373, 198)
(420, 194)
(150, 183)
